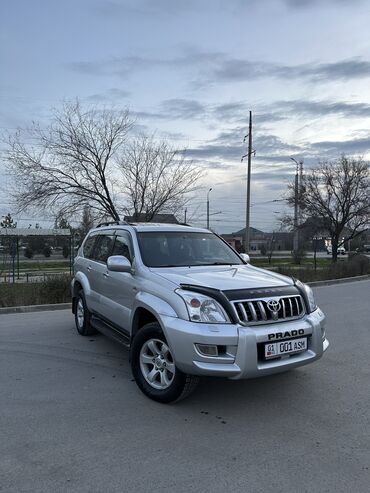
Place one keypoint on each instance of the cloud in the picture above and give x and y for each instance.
(211, 67)
(183, 108)
(112, 94)
(237, 70)
(334, 148)
(228, 146)
(115, 9)
(322, 108)
(303, 4)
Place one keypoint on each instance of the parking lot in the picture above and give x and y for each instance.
(72, 419)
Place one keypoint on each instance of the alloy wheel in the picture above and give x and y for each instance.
(156, 364)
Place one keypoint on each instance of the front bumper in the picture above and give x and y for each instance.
(242, 357)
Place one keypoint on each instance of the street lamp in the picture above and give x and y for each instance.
(208, 207)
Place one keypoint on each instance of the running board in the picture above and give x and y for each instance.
(110, 331)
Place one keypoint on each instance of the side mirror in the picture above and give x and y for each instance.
(245, 257)
(119, 263)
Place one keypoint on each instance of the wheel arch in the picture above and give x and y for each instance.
(142, 316)
(150, 308)
(79, 282)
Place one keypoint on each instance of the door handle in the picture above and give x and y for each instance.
(106, 274)
(88, 268)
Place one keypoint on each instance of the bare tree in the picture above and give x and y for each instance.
(87, 222)
(71, 163)
(78, 160)
(270, 247)
(338, 194)
(156, 177)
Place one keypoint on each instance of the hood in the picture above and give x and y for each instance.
(223, 277)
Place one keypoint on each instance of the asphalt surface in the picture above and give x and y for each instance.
(72, 419)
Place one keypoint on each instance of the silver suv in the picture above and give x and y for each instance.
(186, 305)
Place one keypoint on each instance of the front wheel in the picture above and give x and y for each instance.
(154, 368)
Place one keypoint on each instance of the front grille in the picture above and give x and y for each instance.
(251, 312)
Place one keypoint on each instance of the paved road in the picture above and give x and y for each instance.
(72, 419)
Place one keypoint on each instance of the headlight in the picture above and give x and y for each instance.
(201, 308)
(307, 291)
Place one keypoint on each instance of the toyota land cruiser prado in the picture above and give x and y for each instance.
(186, 305)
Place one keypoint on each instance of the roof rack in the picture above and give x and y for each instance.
(110, 223)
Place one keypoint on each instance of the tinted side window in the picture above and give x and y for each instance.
(122, 246)
(103, 248)
(89, 246)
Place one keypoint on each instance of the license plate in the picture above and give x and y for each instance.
(274, 349)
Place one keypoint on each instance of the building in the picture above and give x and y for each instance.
(236, 240)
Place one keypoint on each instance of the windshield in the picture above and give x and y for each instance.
(183, 249)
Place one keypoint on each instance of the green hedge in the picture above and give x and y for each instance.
(55, 289)
(357, 265)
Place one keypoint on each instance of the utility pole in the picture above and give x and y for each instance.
(186, 210)
(296, 233)
(208, 207)
(248, 207)
(298, 189)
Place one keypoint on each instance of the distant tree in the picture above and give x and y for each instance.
(47, 251)
(308, 232)
(36, 243)
(8, 222)
(338, 194)
(65, 251)
(28, 253)
(87, 222)
(61, 222)
(156, 177)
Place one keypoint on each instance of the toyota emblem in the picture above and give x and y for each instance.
(273, 305)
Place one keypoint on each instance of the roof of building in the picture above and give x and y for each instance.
(34, 232)
(253, 233)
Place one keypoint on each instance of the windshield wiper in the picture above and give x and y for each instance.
(221, 263)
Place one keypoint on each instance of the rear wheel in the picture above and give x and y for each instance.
(83, 316)
(154, 368)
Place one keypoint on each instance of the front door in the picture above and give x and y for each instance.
(99, 272)
(120, 287)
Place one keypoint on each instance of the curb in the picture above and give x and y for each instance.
(342, 280)
(35, 308)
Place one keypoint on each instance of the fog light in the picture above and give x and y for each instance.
(207, 350)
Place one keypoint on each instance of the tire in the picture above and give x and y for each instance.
(154, 369)
(83, 316)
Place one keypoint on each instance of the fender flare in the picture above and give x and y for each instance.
(156, 306)
(82, 279)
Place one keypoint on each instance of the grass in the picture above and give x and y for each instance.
(55, 289)
(357, 265)
(41, 265)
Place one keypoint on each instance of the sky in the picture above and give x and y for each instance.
(189, 72)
